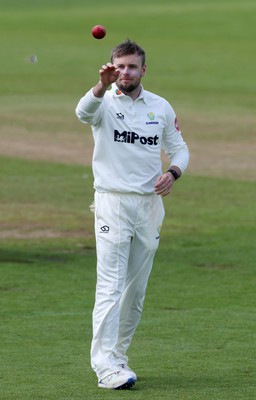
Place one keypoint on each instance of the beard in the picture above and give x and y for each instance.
(127, 88)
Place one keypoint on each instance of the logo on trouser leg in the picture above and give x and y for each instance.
(158, 232)
(104, 229)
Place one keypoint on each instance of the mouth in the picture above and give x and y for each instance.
(126, 83)
(125, 80)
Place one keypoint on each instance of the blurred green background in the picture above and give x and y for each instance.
(197, 334)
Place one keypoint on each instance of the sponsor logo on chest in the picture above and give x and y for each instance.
(133, 137)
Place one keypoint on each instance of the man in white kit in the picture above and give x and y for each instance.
(130, 127)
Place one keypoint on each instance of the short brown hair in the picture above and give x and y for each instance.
(126, 48)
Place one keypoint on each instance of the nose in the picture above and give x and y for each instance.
(126, 71)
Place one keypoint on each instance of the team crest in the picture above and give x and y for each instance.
(151, 116)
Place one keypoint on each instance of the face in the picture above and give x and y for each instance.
(131, 72)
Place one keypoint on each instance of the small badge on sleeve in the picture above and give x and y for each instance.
(176, 124)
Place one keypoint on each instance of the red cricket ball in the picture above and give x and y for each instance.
(98, 31)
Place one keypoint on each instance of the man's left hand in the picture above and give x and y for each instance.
(164, 184)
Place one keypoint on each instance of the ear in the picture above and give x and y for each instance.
(143, 71)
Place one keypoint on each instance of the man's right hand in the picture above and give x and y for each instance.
(108, 75)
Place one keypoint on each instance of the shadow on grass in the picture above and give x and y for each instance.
(170, 383)
(26, 256)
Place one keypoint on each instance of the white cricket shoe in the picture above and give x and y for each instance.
(129, 370)
(117, 380)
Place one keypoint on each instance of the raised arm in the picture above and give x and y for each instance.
(108, 75)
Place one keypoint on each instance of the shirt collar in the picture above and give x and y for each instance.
(118, 93)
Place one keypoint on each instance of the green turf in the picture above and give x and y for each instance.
(45, 196)
(196, 340)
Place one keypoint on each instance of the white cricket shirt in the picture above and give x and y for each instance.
(128, 137)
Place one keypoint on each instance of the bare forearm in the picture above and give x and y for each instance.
(99, 90)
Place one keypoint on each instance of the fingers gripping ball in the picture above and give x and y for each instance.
(99, 31)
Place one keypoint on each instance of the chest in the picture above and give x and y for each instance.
(135, 117)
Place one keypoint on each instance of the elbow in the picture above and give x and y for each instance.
(80, 115)
(78, 112)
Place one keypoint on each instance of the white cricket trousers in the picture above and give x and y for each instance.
(127, 229)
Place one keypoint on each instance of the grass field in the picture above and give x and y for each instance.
(196, 340)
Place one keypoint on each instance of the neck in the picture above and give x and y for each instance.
(134, 94)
